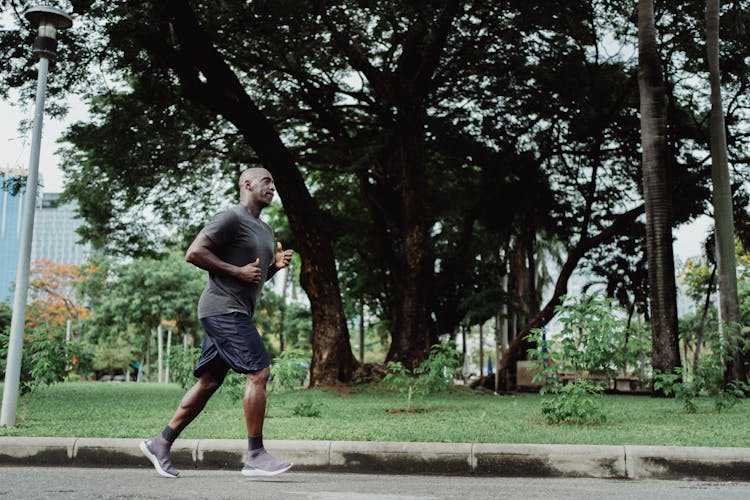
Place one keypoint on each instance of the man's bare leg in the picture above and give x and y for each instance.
(194, 401)
(158, 449)
(254, 401)
(259, 462)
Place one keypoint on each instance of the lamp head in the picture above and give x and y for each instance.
(47, 20)
(48, 16)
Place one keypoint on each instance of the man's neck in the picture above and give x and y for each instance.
(253, 209)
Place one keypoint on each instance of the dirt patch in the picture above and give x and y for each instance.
(413, 410)
(340, 390)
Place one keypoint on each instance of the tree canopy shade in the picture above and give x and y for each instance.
(422, 149)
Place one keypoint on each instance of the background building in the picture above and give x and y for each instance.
(11, 213)
(55, 236)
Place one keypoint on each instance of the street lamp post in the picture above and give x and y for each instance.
(48, 20)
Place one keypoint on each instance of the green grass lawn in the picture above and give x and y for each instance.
(97, 409)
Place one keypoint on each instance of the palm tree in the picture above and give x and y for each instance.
(661, 275)
(722, 196)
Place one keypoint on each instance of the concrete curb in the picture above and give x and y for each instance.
(499, 460)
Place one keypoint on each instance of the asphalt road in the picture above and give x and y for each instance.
(81, 483)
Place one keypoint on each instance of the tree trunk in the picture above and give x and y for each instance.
(168, 352)
(702, 327)
(160, 354)
(722, 200)
(656, 193)
(405, 92)
(413, 329)
(362, 331)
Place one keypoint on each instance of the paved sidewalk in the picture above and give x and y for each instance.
(499, 460)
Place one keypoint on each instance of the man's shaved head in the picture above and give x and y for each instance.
(252, 174)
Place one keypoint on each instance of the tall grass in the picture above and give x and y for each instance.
(131, 410)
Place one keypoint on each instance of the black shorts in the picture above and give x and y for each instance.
(231, 341)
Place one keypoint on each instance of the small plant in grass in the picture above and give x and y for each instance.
(591, 342)
(684, 391)
(307, 409)
(289, 369)
(577, 403)
(435, 374)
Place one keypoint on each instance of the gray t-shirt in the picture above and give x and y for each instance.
(239, 238)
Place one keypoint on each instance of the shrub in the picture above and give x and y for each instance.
(710, 377)
(307, 409)
(577, 403)
(45, 359)
(435, 374)
(181, 365)
(594, 340)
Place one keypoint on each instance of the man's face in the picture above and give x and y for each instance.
(261, 187)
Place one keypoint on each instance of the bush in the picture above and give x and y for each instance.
(435, 374)
(45, 359)
(307, 409)
(181, 365)
(710, 377)
(577, 403)
(594, 341)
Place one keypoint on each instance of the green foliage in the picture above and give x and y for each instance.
(181, 365)
(307, 409)
(434, 375)
(710, 379)
(45, 360)
(130, 299)
(594, 340)
(5, 316)
(289, 370)
(277, 316)
(636, 356)
(592, 334)
(577, 403)
(672, 383)
(112, 353)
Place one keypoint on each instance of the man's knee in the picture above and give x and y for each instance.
(209, 383)
(259, 378)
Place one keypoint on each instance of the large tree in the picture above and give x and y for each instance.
(657, 196)
(722, 199)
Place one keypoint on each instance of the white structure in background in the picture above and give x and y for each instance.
(55, 237)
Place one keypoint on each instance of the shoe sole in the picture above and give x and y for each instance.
(264, 473)
(155, 461)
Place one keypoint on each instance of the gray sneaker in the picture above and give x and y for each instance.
(260, 463)
(157, 450)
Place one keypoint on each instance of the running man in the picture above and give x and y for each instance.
(236, 248)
